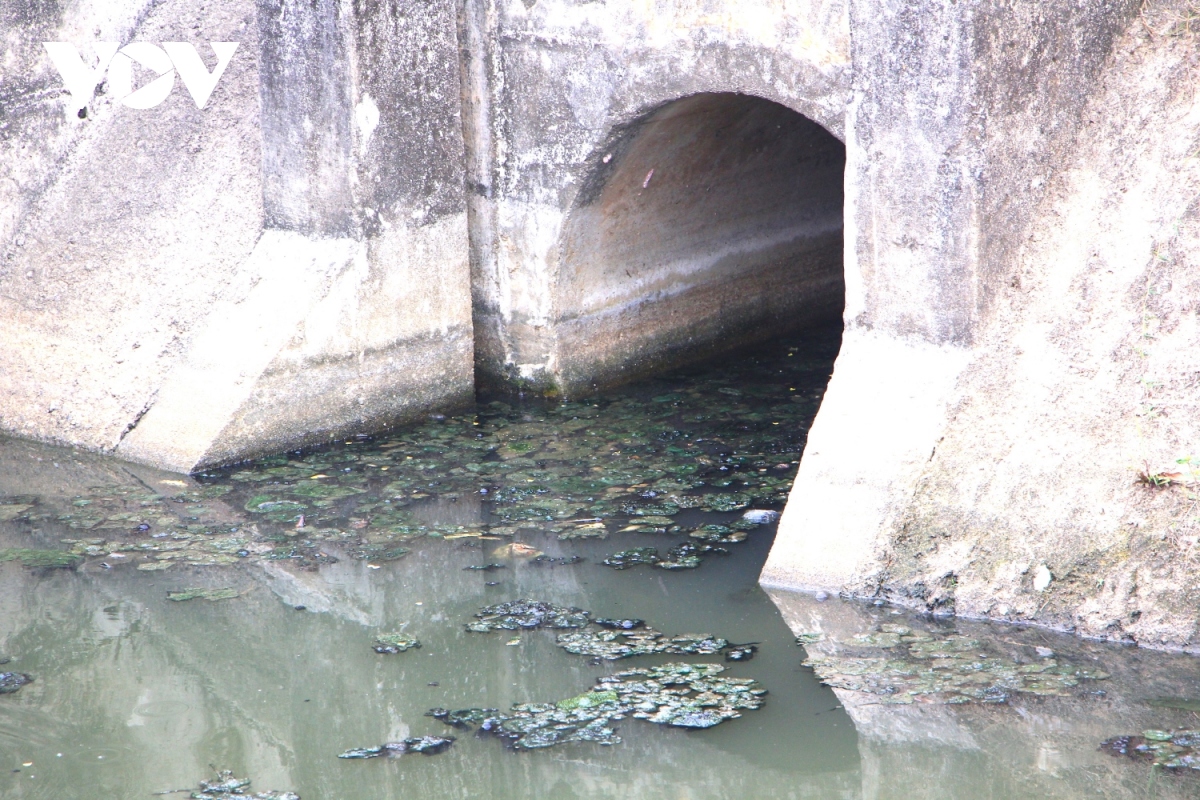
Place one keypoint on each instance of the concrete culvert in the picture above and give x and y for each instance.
(712, 222)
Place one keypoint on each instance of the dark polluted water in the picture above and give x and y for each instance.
(524, 601)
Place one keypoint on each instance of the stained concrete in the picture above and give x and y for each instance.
(713, 222)
(1017, 481)
(189, 287)
(386, 204)
(553, 87)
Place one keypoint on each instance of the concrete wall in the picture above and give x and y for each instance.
(385, 202)
(553, 87)
(186, 287)
(1016, 488)
(713, 222)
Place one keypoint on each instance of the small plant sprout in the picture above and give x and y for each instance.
(1159, 479)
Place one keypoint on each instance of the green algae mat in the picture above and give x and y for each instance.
(696, 461)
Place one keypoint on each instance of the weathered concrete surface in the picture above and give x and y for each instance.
(35, 130)
(1088, 377)
(209, 258)
(382, 197)
(943, 169)
(554, 87)
(714, 222)
(1025, 502)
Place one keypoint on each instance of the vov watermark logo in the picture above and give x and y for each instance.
(117, 62)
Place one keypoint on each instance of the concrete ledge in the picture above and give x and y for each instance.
(883, 413)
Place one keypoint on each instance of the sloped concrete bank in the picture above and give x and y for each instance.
(1058, 482)
(184, 287)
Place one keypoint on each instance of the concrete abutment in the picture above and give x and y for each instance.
(386, 203)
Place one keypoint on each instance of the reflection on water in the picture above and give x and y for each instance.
(1042, 741)
(141, 694)
(135, 693)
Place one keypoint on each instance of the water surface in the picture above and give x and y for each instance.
(135, 693)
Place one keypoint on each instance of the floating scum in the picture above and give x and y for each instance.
(602, 638)
(631, 462)
(227, 787)
(695, 465)
(1169, 749)
(901, 665)
(677, 694)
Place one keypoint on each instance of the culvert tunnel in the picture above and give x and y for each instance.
(712, 222)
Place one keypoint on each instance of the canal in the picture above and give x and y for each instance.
(174, 627)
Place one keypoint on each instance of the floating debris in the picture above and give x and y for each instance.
(620, 624)
(1169, 749)
(687, 555)
(682, 695)
(1177, 703)
(392, 643)
(614, 644)
(587, 530)
(10, 511)
(633, 557)
(917, 666)
(484, 567)
(43, 559)
(463, 718)
(527, 615)
(203, 594)
(557, 562)
(606, 638)
(760, 516)
(11, 682)
(517, 550)
(227, 787)
(425, 745)
(379, 553)
(741, 652)
(628, 459)
(721, 534)
(683, 556)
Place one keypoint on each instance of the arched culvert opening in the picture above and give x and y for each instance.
(713, 222)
